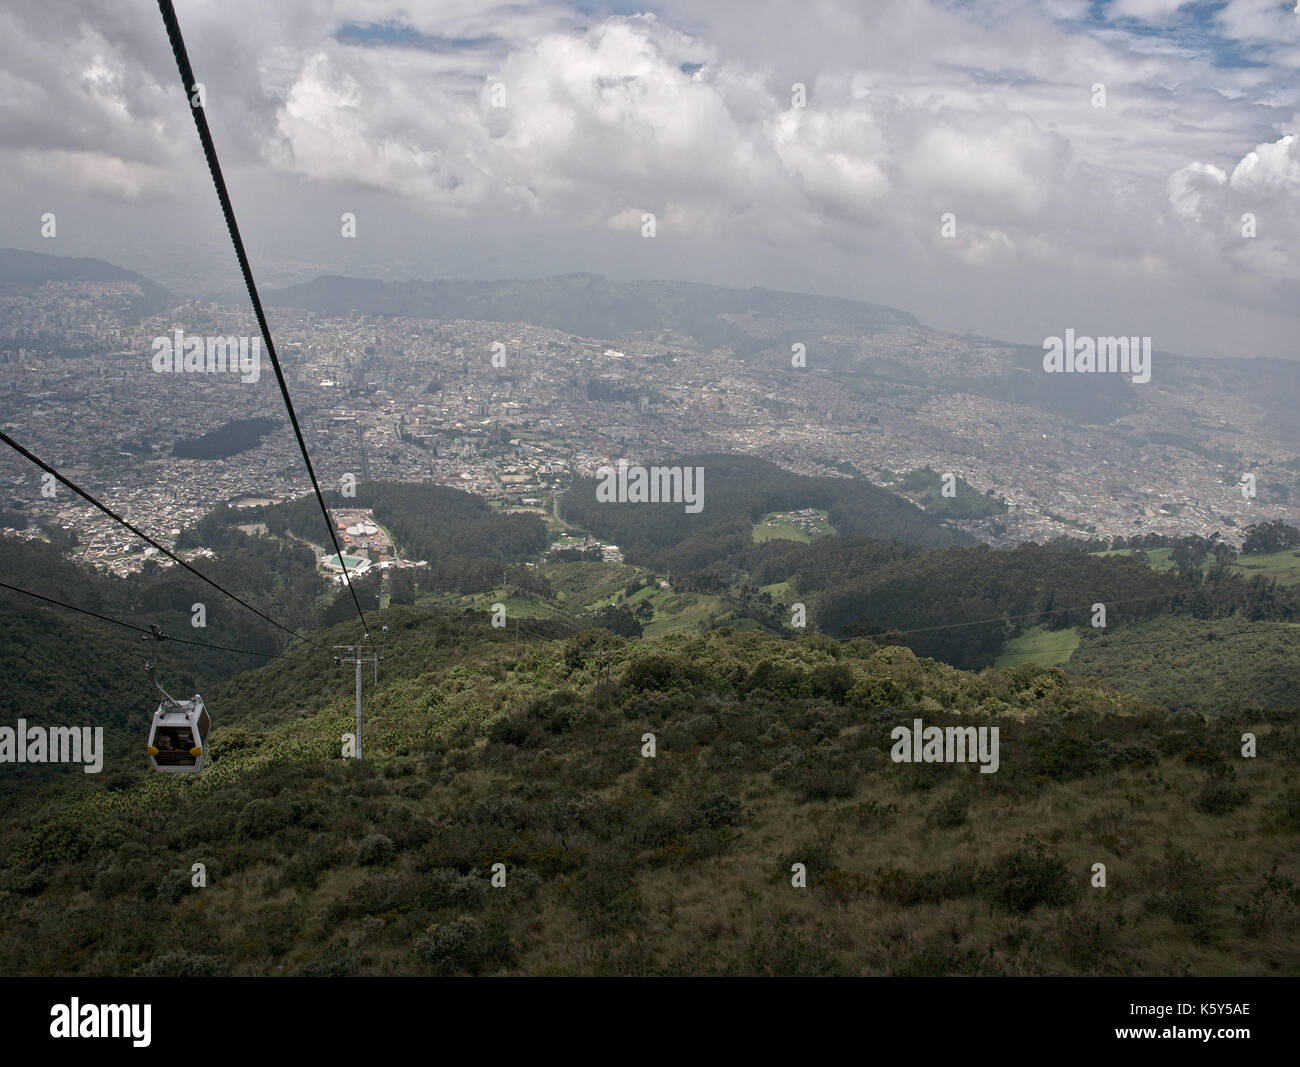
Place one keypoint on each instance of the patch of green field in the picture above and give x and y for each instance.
(1160, 559)
(784, 525)
(1040, 646)
(675, 612)
(589, 586)
(1282, 566)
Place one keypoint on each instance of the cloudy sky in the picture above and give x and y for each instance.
(1124, 218)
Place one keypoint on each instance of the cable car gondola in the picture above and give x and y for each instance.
(178, 735)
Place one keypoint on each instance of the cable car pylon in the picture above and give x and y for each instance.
(357, 655)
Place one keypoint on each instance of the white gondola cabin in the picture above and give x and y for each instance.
(178, 739)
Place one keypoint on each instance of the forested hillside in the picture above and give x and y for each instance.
(738, 490)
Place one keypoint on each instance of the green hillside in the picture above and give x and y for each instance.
(769, 753)
(926, 487)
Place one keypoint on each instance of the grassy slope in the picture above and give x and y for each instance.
(1039, 646)
(1282, 566)
(620, 864)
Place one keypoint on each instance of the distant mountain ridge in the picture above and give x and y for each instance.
(22, 268)
(591, 305)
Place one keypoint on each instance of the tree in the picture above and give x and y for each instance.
(1272, 536)
(618, 620)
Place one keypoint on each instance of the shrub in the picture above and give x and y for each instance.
(700, 730)
(779, 679)
(464, 945)
(1284, 813)
(304, 870)
(1067, 757)
(951, 811)
(822, 773)
(372, 895)
(375, 849)
(113, 881)
(817, 856)
(1032, 875)
(877, 693)
(173, 885)
(831, 681)
(264, 817)
(517, 730)
(909, 889)
(870, 813)
(659, 672)
(607, 896)
(939, 956)
(1277, 894)
(336, 961)
(557, 712)
(1184, 889)
(32, 884)
(1219, 797)
(404, 828)
(844, 887)
(783, 953)
(719, 810)
(181, 964)
(445, 888)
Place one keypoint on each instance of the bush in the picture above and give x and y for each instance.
(1032, 875)
(1184, 889)
(518, 730)
(1066, 757)
(822, 773)
(607, 896)
(718, 810)
(181, 964)
(782, 953)
(264, 817)
(844, 887)
(173, 885)
(818, 858)
(112, 882)
(464, 946)
(32, 884)
(660, 672)
(446, 888)
(700, 730)
(929, 887)
(780, 679)
(1284, 813)
(831, 681)
(951, 811)
(304, 870)
(1219, 797)
(337, 961)
(404, 828)
(1094, 940)
(372, 895)
(557, 712)
(375, 849)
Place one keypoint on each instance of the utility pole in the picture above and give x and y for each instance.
(356, 654)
